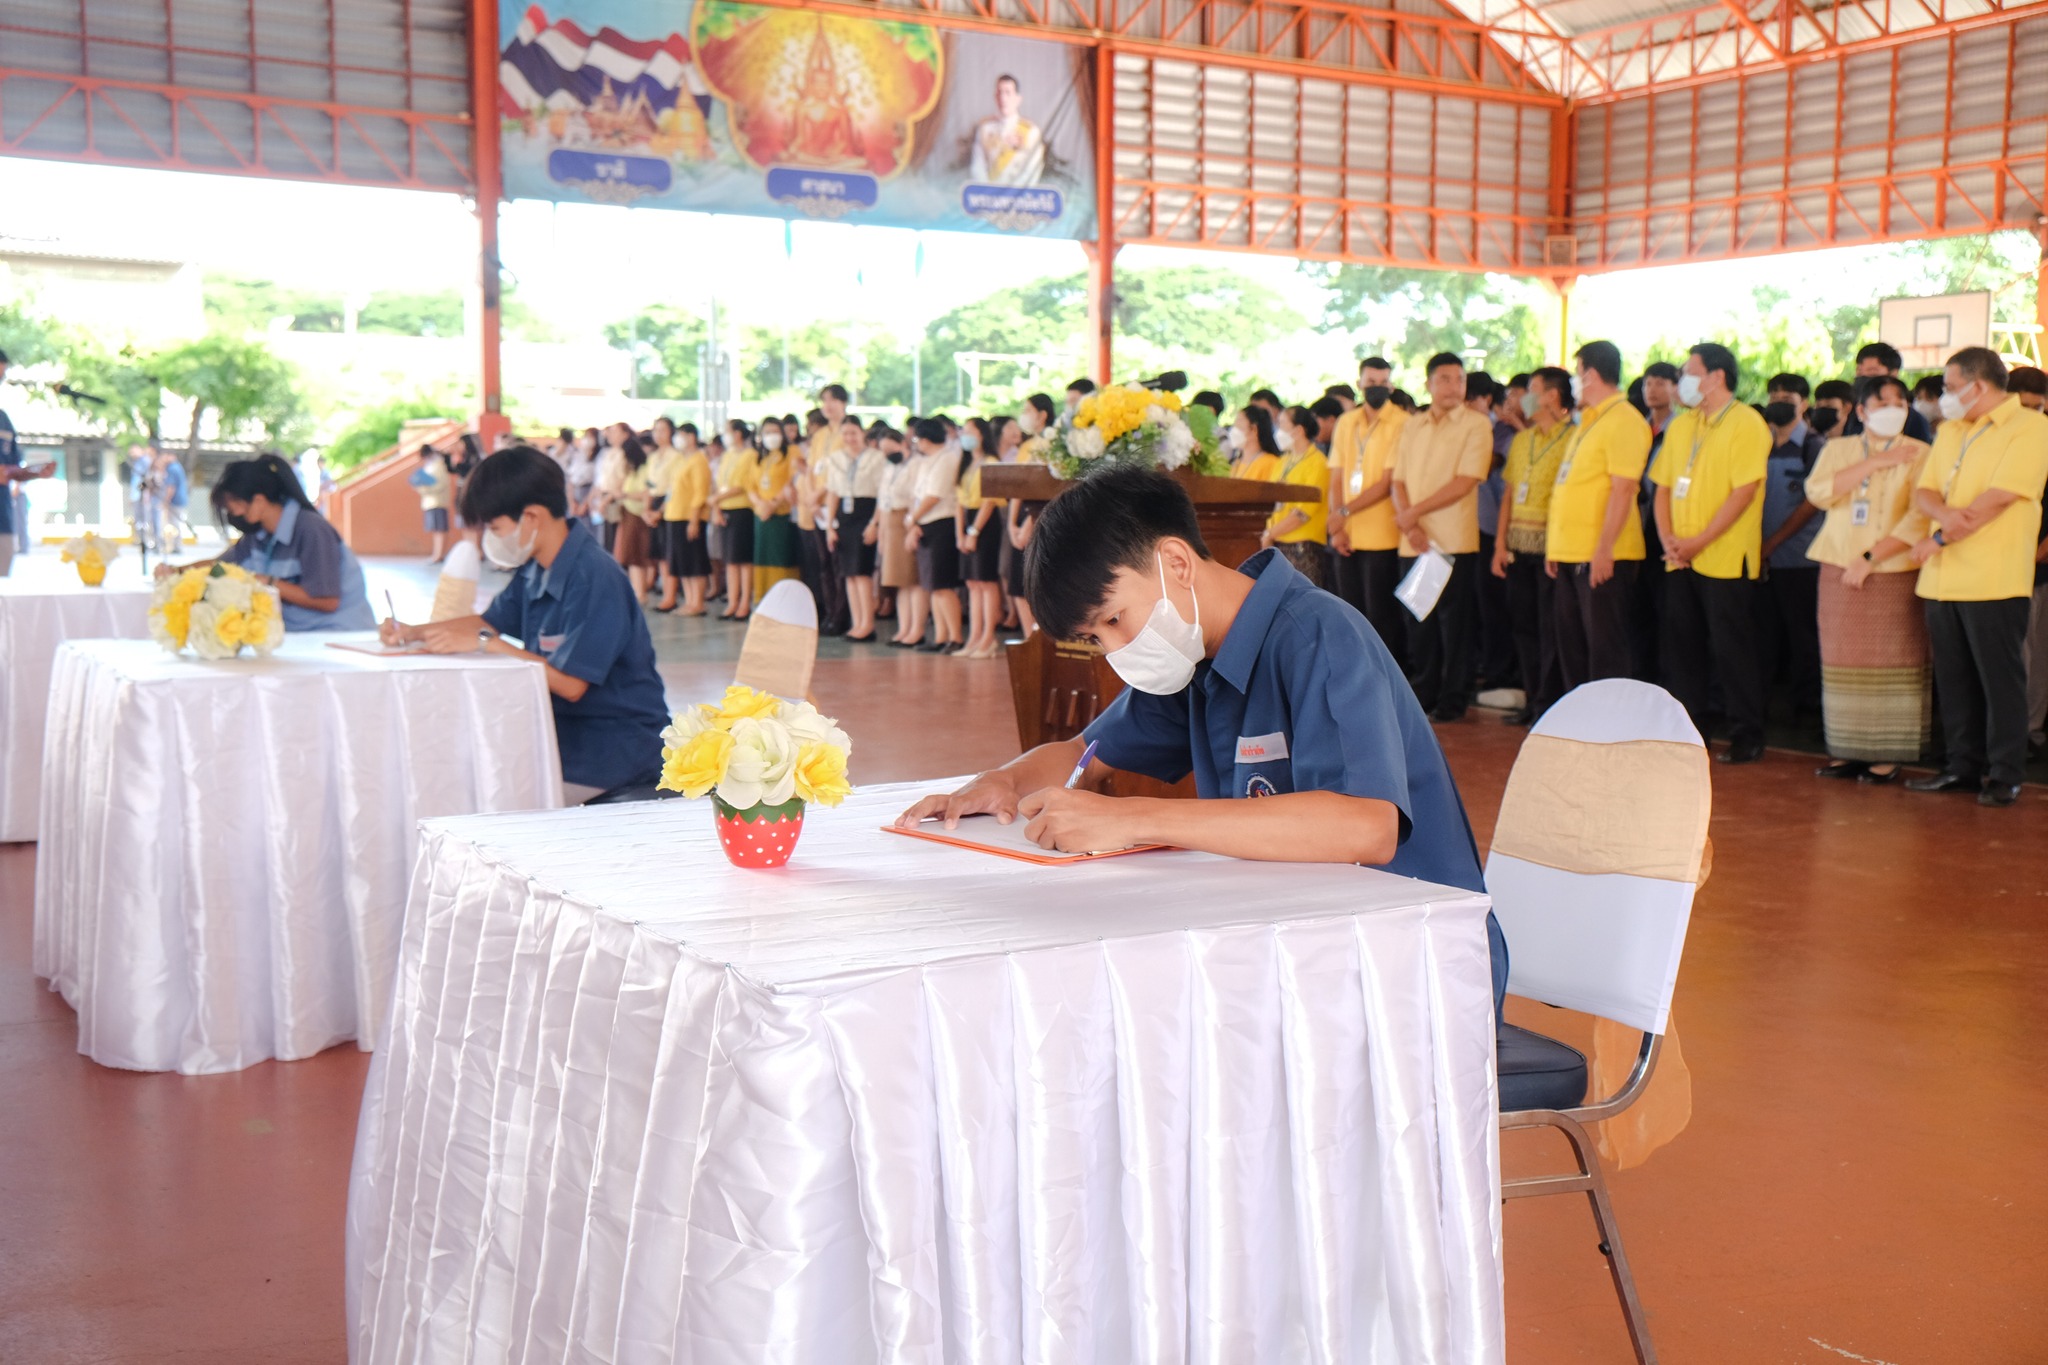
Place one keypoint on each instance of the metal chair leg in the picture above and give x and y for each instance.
(1593, 1184)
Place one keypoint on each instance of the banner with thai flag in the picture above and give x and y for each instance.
(728, 107)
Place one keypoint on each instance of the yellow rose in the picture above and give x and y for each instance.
(190, 587)
(821, 774)
(227, 627)
(697, 766)
(744, 703)
(178, 620)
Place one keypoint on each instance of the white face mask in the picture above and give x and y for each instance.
(1235, 437)
(1885, 422)
(1284, 439)
(1689, 390)
(1031, 423)
(1952, 405)
(1578, 391)
(1929, 411)
(507, 552)
(1162, 659)
(772, 440)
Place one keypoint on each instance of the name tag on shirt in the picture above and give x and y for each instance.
(1260, 748)
(550, 643)
(1522, 492)
(846, 503)
(1682, 487)
(1859, 513)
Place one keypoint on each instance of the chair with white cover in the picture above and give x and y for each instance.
(781, 647)
(1600, 846)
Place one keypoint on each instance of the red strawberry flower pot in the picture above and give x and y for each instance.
(760, 836)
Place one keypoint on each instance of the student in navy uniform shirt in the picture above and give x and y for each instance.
(1251, 679)
(572, 607)
(11, 473)
(284, 542)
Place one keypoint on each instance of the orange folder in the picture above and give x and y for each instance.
(985, 834)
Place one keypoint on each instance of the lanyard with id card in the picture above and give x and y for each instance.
(1564, 466)
(1702, 430)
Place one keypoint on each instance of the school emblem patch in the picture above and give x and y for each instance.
(1258, 786)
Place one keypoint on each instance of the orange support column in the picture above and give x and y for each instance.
(1102, 251)
(485, 150)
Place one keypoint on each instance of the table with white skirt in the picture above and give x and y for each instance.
(906, 1102)
(226, 845)
(43, 603)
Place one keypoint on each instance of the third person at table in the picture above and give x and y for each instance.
(285, 542)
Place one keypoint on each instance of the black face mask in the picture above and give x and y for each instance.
(1376, 395)
(1780, 414)
(1822, 420)
(895, 456)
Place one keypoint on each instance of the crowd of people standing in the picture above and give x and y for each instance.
(1870, 547)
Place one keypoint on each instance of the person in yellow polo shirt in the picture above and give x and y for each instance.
(1709, 478)
(1301, 529)
(1519, 541)
(1363, 536)
(1255, 453)
(1442, 455)
(1593, 539)
(1978, 506)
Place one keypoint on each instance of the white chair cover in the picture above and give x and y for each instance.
(1598, 849)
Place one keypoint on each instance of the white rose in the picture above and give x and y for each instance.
(203, 639)
(229, 592)
(808, 725)
(762, 770)
(685, 726)
(1086, 443)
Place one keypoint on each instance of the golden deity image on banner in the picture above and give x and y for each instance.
(818, 91)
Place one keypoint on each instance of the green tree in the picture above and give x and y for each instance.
(127, 384)
(1422, 312)
(27, 336)
(375, 430)
(664, 342)
(236, 305)
(437, 314)
(797, 361)
(240, 382)
(1191, 305)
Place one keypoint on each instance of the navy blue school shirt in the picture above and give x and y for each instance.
(10, 454)
(1301, 696)
(307, 551)
(579, 613)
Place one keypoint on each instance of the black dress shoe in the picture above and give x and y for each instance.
(860, 639)
(1945, 782)
(1871, 778)
(1525, 716)
(1748, 752)
(931, 647)
(1844, 768)
(1447, 714)
(1999, 794)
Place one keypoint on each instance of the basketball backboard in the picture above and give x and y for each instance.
(1929, 330)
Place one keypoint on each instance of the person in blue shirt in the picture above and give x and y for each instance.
(1790, 626)
(284, 542)
(573, 609)
(1256, 682)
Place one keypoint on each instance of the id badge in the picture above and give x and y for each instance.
(1521, 492)
(1859, 512)
(1682, 487)
(846, 503)
(1357, 479)
(1564, 474)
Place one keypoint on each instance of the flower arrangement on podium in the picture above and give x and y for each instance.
(92, 553)
(761, 760)
(1126, 424)
(216, 611)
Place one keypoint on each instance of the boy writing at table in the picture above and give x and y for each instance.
(1259, 684)
(572, 607)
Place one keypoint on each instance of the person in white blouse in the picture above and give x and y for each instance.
(854, 483)
(931, 537)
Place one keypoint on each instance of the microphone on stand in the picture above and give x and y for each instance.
(1173, 381)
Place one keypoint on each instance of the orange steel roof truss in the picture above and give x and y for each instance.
(1549, 137)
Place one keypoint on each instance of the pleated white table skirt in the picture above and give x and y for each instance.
(42, 604)
(907, 1103)
(226, 846)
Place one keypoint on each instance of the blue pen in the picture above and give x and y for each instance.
(1074, 780)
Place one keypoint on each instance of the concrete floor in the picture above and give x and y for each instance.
(1859, 1178)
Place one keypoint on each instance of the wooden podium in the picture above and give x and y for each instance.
(1058, 686)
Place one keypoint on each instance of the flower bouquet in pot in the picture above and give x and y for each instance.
(217, 611)
(761, 760)
(1126, 424)
(91, 553)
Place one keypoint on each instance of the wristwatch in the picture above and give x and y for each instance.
(484, 638)
(1937, 537)
(1866, 556)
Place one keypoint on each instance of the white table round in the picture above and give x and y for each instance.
(908, 1103)
(226, 845)
(42, 604)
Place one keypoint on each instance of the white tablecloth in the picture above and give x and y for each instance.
(43, 604)
(908, 1103)
(226, 846)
